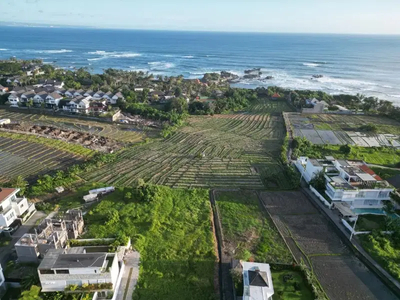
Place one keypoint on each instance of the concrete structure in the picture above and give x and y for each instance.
(61, 268)
(32, 247)
(317, 106)
(13, 207)
(257, 281)
(350, 182)
(52, 233)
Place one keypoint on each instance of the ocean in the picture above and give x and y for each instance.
(349, 63)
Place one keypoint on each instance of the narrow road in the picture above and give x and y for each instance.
(130, 276)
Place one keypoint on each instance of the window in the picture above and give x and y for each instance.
(46, 272)
(371, 202)
(361, 195)
(62, 271)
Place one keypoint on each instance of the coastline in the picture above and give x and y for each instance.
(362, 64)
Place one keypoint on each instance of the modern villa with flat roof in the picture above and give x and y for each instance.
(62, 268)
(349, 182)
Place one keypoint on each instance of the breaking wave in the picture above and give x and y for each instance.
(3, 49)
(105, 55)
(160, 65)
(52, 51)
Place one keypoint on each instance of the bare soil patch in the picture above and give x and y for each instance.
(340, 273)
(94, 142)
(345, 277)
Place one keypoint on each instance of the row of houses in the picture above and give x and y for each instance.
(73, 101)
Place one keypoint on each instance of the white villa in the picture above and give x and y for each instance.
(257, 281)
(350, 182)
(61, 268)
(12, 207)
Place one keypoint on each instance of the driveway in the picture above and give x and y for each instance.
(130, 276)
(5, 252)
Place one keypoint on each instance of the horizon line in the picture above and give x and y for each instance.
(38, 25)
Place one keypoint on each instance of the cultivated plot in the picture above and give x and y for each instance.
(341, 274)
(211, 151)
(18, 157)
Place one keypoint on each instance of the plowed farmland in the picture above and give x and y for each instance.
(211, 151)
(313, 239)
(25, 158)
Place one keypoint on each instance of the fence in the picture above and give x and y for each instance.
(320, 197)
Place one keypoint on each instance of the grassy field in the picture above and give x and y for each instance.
(384, 250)
(353, 122)
(380, 156)
(123, 133)
(211, 151)
(31, 156)
(172, 232)
(385, 173)
(294, 289)
(248, 232)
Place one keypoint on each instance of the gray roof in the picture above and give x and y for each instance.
(395, 181)
(59, 260)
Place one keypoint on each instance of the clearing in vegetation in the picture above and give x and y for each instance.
(29, 156)
(99, 143)
(238, 150)
(248, 232)
(172, 230)
(313, 240)
(119, 132)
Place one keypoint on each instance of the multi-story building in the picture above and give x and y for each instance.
(12, 206)
(348, 181)
(52, 233)
(62, 268)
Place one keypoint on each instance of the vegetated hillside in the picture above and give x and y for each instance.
(240, 150)
(172, 230)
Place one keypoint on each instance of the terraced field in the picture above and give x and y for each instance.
(211, 151)
(18, 157)
(123, 133)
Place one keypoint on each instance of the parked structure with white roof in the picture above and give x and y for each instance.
(257, 281)
(350, 182)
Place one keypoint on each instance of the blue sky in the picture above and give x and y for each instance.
(314, 16)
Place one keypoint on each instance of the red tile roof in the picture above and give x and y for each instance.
(5, 192)
(370, 172)
(276, 95)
